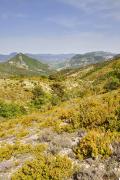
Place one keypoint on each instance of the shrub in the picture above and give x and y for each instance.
(22, 133)
(37, 92)
(11, 110)
(112, 84)
(55, 168)
(57, 77)
(92, 113)
(113, 122)
(55, 100)
(59, 90)
(8, 150)
(95, 143)
(38, 150)
(98, 112)
(71, 117)
(40, 98)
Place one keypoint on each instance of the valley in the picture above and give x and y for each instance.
(63, 61)
(60, 125)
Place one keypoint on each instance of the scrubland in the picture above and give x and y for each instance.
(66, 126)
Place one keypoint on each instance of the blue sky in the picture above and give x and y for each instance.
(59, 26)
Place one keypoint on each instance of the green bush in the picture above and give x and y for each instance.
(55, 100)
(112, 84)
(37, 92)
(57, 77)
(58, 89)
(11, 110)
(112, 123)
(40, 98)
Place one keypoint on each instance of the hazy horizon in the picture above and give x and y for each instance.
(46, 53)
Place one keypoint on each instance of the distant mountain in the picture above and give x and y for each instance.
(62, 61)
(47, 58)
(21, 64)
(80, 60)
(55, 61)
(4, 57)
(50, 58)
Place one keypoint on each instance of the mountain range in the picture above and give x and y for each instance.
(47, 58)
(44, 64)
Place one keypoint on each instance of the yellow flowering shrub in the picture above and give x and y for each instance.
(95, 143)
(50, 167)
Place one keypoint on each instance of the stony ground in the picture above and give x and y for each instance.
(61, 143)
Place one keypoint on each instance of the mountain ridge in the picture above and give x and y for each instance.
(21, 64)
(90, 58)
(63, 61)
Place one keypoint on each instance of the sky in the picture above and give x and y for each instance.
(59, 26)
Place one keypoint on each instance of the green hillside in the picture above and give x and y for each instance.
(24, 65)
(81, 60)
